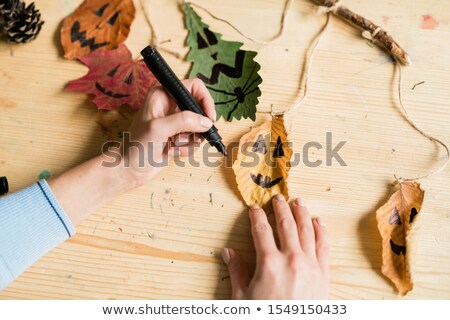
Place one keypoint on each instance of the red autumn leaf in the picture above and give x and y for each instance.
(115, 79)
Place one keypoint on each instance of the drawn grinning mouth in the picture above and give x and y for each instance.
(110, 93)
(265, 182)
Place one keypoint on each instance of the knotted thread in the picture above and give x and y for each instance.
(371, 36)
(325, 9)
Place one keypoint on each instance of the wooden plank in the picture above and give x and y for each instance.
(170, 236)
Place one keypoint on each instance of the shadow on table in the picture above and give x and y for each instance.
(369, 235)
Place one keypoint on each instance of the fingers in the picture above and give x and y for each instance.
(185, 144)
(286, 226)
(184, 151)
(202, 96)
(238, 270)
(304, 226)
(185, 121)
(185, 139)
(160, 104)
(261, 232)
(322, 243)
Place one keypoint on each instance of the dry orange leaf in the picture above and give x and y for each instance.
(262, 164)
(96, 24)
(395, 220)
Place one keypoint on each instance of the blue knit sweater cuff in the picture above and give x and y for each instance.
(32, 223)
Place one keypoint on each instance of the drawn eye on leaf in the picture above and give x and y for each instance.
(395, 217)
(263, 163)
(96, 24)
(260, 145)
(395, 222)
(230, 74)
(115, 79)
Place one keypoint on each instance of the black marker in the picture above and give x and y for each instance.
(4, 187)
(179, 93)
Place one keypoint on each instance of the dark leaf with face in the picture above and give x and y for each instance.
(96, 24)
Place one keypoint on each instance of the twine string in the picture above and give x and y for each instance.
(154, 40)
(307, 63)
(286, 9)
(429, 137)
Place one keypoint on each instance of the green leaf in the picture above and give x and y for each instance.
(230, 74)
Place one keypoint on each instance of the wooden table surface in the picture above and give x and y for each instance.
(163, 241)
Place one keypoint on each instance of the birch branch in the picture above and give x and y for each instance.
(370, 30)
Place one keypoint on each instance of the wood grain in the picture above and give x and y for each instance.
(172, 233)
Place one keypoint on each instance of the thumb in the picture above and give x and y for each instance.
(184, 121)
(238, 272)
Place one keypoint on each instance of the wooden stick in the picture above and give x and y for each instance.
(370, 30)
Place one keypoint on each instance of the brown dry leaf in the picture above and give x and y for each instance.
(395, 220)
(262, 165)
(96, 24)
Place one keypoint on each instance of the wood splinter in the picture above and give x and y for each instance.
(370, 30)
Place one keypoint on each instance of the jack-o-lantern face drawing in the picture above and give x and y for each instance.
(128, 80)
(230, 73)
(209, 40)
(96, 24)
(115, 79)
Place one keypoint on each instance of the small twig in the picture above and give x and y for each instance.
(417, 84)
(371, 31)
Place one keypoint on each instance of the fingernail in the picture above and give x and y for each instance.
(214, 115)
(280, 197)
(254, 207)
(319, 221)
(206, 122)
(183, 138)
(226, 256)
(300, 202)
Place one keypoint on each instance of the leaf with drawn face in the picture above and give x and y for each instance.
(115, 79)
(395, 223)
(230, 73)
(96, 25)
(263, 163)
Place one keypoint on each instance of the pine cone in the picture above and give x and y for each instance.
(20, 24)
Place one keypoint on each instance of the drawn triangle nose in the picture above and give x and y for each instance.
(214, 56)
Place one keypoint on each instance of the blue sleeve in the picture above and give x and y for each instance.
(31, 223)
